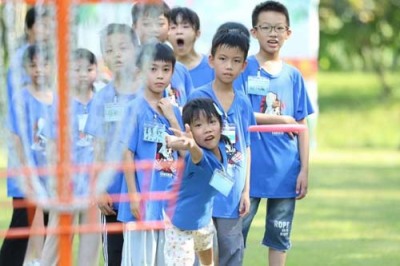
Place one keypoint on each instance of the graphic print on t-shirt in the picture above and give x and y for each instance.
(39, 140)
(270, 104)
(164, 160)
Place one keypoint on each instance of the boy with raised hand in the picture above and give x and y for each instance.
(151, 21)
(183, 34)
(119, 45)
(147, 121)
(228, 58)
(278, 95)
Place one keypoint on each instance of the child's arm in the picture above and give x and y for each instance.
(302, 179)
(265, 119)
(105, 203)
(131, 184)
(185, 141)
(244, 206)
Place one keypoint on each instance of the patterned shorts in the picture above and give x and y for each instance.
(181, 245)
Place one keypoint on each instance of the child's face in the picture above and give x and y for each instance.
(271, 40)
(148, 27)
(83, 75)
(119, 53)
(40, 30)
(39, 71)
(182, 36)
(206, 132)
(228, 63)
(159, 76)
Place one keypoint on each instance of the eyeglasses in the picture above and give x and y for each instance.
(268, 28)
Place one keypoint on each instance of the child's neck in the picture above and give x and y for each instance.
(224, 93)
(43, 94)
(83, 97)
(124, 84)
(270, 63)
(153, 99)
(190, 60)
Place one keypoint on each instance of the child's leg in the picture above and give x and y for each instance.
(179, 247)
(49, 254)
(13, 249)
(36, 242)
(248, 219)
(278, 228)
(203, 244)
(89, 243)
(112, 242)
(230, 241)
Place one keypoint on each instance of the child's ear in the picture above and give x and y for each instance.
(244, 65)
(253, 32)
(198, 34)
(211, 60)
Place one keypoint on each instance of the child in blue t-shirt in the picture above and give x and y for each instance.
(32, 108)
(228, 58)
(205, 164)
(183, 34)
(83, 76)
(119, 45)
(151, 20)
(147, 121)
(278, 96)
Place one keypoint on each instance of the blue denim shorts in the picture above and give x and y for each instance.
(278, 222)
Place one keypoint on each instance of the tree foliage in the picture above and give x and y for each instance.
(361, 34)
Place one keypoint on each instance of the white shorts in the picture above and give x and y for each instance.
(181, 245)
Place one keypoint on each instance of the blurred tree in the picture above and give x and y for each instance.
(361, 34)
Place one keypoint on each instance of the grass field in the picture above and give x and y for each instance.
(351, 215)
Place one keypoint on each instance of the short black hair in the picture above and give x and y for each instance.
(117, 28)
(34, 50)
(141, 8)
(192, 110)
(83, 53)
(187, 15)
(269, 6)
(232, 26)
(32, 15)
(231, 37)
(151, 52)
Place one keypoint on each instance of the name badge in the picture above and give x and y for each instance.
(82, 121)
(154, 132)
(257, 85)
(113, 112)
(222, 182)
(229, 130)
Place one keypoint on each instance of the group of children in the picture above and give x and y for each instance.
(163, 104)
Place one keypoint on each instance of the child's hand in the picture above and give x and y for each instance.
(244, 206)
(290, 120)
(302, 185)
(181, 140)
(167, 108)
(105, 205)
(135, 206)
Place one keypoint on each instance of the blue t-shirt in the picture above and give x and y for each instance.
(276, 153)
(82, 145)
(181, 83)
(104, 123)
(143, 123)
(239, 117)
(202, 74)
(194, 201)
(29, 121)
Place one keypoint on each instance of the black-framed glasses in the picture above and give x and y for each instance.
(280, 28)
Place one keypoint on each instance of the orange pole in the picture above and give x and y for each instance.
(64, 193)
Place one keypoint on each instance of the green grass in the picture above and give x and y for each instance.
(351, 215)
(353, 114)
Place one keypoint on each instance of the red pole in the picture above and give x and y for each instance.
(63, 165)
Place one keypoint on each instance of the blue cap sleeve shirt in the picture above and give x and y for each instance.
(275, 157)
(29, 122)
(104, 122)
(202, 74)
(143, 124)
(193, 207)
(240, 116)
(181, 84)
